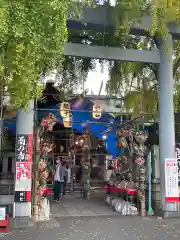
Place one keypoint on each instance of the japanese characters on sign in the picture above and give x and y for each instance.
(23, 176)
(22, 148)
(178, 164)
(171, 180)
(22, 196)
(23, 170)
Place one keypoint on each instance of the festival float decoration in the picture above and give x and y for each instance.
(121, 187)
(130, 183)
(96, 112)
(43, 169)
(141, 151)
(86, 147)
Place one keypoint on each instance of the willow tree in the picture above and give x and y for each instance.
(138, 82)
(32, 37)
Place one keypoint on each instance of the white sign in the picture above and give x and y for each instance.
(23, 176)
(2, 213)
(178, 163)
(171, 180)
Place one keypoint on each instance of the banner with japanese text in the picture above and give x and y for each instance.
(178, 163)
(171, 180)
(23, 157)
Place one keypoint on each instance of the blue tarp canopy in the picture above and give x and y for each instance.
(82, 114)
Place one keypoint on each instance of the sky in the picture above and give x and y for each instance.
(93, 81)
(95, 78)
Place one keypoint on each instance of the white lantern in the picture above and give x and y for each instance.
(64, 109)
(67, 121)
(96, 112)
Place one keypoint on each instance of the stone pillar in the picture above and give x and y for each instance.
(24, 126)
(166, 109)
(5, 165)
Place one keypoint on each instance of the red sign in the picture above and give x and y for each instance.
(171, 180)
(24, 150)
(171, 164)
(23, 170)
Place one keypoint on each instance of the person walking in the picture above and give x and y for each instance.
(57, 181)
(62, 178)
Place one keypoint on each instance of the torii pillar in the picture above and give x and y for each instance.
(23, 158)
(166, 110)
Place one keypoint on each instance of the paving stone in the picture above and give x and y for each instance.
(101, 228)
(94, 220)
(75, 206)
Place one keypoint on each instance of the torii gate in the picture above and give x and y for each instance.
(100, 19)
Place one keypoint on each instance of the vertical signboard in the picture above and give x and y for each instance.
(23, 168)
(178, 164)
(171, 180)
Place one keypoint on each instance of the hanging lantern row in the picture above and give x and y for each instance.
(96, 112)
(66, 114)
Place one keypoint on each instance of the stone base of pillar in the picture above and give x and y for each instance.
(156, 201)
(156, 196)
(22, 209)
(169, 214)
(22, 222)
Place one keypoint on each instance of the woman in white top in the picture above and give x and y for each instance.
(57, 181)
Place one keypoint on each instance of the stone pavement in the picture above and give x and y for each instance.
(73, 206)
(101, 228)
(77, 219)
